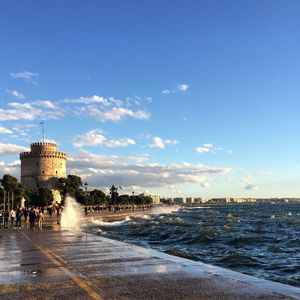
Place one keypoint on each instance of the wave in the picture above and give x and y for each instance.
(235, 260)
(196, 207)
(160, 210)
(247, 240)
(114, 223)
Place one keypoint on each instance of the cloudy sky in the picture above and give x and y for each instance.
(179, 98)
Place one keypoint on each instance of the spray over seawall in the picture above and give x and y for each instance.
(71, 217)
(164, 209)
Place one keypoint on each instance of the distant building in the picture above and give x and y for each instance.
(189, 200)
(155, 198)
(219, 200)
(42, 166)
(179, 200)
(201, 200)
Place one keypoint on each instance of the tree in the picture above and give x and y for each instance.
(142, 199)
(114, 194)
(124, 199)
(98, 197)
(70, 185)
(81, 196)
(40, 197)
(10, 183)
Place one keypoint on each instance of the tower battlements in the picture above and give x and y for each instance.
(42, 166)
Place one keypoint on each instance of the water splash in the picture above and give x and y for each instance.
(115, 223)
(159, 210)
(72, 214)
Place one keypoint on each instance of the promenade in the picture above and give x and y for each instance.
(56, 264)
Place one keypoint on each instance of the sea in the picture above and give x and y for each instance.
(262, 240)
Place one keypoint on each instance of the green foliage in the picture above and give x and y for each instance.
(123, 199)
(97, 197)
(81, 196)
(69, 185)
(39, 197)
(10, 183)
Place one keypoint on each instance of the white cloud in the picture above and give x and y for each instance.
(116, 114)
(128, 171)
(182, 87)
(205, 184)
(165, 92)
(91, 138)
(5, 130)
(11, 149)
(45, 103)
(206, 148)
(96, 107)
(106, 102)
(264, 173)
(28, 111)
(12, 168)
(158, 142)
(251, 187)
(17, 94)
(28, 76)
(95, 137)
(119, 143)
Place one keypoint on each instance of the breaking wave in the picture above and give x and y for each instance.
(160, 210)
(113, 223)
(260, 240)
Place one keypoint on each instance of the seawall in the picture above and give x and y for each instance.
(52, 264)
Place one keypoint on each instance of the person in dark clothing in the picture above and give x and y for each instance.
(18, 218)
(26, 215)
(32, 218)
(50, 211)
(6, 218)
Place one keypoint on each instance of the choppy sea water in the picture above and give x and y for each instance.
(262, 240)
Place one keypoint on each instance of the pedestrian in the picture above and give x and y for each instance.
(6, 218)
(12, 217)
(19, 218)
(26, 215)
(41, 219)
(32, 217)
(1, 219)
(50, 211)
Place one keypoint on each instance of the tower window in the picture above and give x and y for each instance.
(56, 172)
(43, 172)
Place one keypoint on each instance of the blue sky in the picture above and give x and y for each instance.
(180, 98)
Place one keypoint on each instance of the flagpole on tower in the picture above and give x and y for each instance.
(43, 130)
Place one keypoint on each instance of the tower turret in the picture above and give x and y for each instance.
(42, 166)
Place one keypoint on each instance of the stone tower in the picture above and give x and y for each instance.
(42, 166)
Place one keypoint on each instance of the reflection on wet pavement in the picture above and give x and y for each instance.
(87, 266)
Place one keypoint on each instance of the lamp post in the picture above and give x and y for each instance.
(133, 200)
(86, 210)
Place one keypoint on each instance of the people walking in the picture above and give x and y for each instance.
(19, 215)
(32, 218)
(26, 216)
(6, 218)
(12, 217)
(2, 219)
(41, 219)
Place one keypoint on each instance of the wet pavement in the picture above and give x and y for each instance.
(55, 264)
